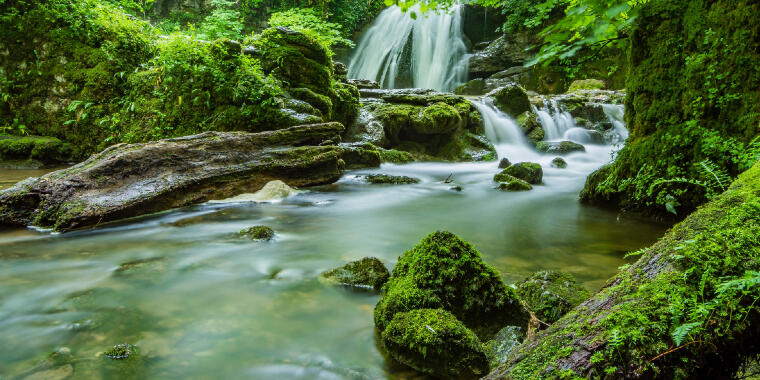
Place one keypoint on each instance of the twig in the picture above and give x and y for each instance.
(680, 347)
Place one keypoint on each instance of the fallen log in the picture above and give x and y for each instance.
(129, 180)
(686, 309)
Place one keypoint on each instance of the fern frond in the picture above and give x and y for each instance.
(680, 332)
(714, 176)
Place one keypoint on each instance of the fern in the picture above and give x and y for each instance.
(715, 177)
(681, 331)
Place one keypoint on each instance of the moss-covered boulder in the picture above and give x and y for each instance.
(390, 179)
(359, 155)
(474, 87)
(529, 172)
(509, 183)
(46, 150)
(368, 272)
(531, 126)
(443, 271)
(258, 233)
(433, 341)
(427, 124)
(511, 99)
(504, 163)
(395, 156)
(586, 84)
(561, 147)
(559, 162)
(551, 294)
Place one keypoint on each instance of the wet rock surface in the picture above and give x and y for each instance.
(368, 272)
(131, 180)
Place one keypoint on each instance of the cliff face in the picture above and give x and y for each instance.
(692, 96)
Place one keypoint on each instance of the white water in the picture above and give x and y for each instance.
(435, 57)
(555, 120)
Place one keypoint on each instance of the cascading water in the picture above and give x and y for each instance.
(423, 52)
(560, 125)
(554, 120)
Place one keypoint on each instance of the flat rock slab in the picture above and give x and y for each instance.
(131, 180)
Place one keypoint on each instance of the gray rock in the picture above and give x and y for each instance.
(562, 147)
(498, 349)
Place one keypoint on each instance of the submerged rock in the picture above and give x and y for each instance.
(559, 162)
(368, 272)
(498, 349)
(529, 172)
(258, 233)
(433, 341)
(390, 179)
(551, 294)
(120, 352)
(562, 147)
(445, 272)
(137, 179)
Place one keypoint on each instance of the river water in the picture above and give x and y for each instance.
(199, 302)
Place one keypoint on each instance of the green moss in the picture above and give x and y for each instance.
(690, 98)
(258, 233)
(562, 147)
(559, 162)
(367, 272)
(443, 271)
(527, 171)
(438, 118)
(509, 183)
(49, 150)
(120, 352)
(586, 84)
(512, 99)
(395, 156)
(433, 341)
(551, 294)
(390, 179)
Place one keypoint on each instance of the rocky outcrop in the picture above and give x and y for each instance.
(131, 180)
(503, 53)
(428, 124)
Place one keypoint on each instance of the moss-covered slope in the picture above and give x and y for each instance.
(686, 309)
(692, 95)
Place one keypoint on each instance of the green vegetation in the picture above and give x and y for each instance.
(693, 120)
(551, 294)
(687, 307)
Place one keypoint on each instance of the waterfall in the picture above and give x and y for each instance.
(423, 52)
(554, 120)
(615, 113)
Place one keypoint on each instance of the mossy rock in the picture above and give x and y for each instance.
(473, 87)
(390, 179)
(443, 271)
(586, 84)
(258, 233)
(368, 272)
(529, 172)
(559, 162)
(504, 163)
(511, 99)
(509, 183)
(439, 118)
(562, 147)
(48, 150)
(433, 341)
(360, 155)
(551, 294)
(120, 352)
(396, 156)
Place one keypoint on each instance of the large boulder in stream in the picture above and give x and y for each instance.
(440, 302)
(130, 180)
(529, 172)
(511, 99)
(429, 125)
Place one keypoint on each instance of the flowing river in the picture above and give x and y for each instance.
(199, 302)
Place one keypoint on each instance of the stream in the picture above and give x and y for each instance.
(200, 302)
(197, 301)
